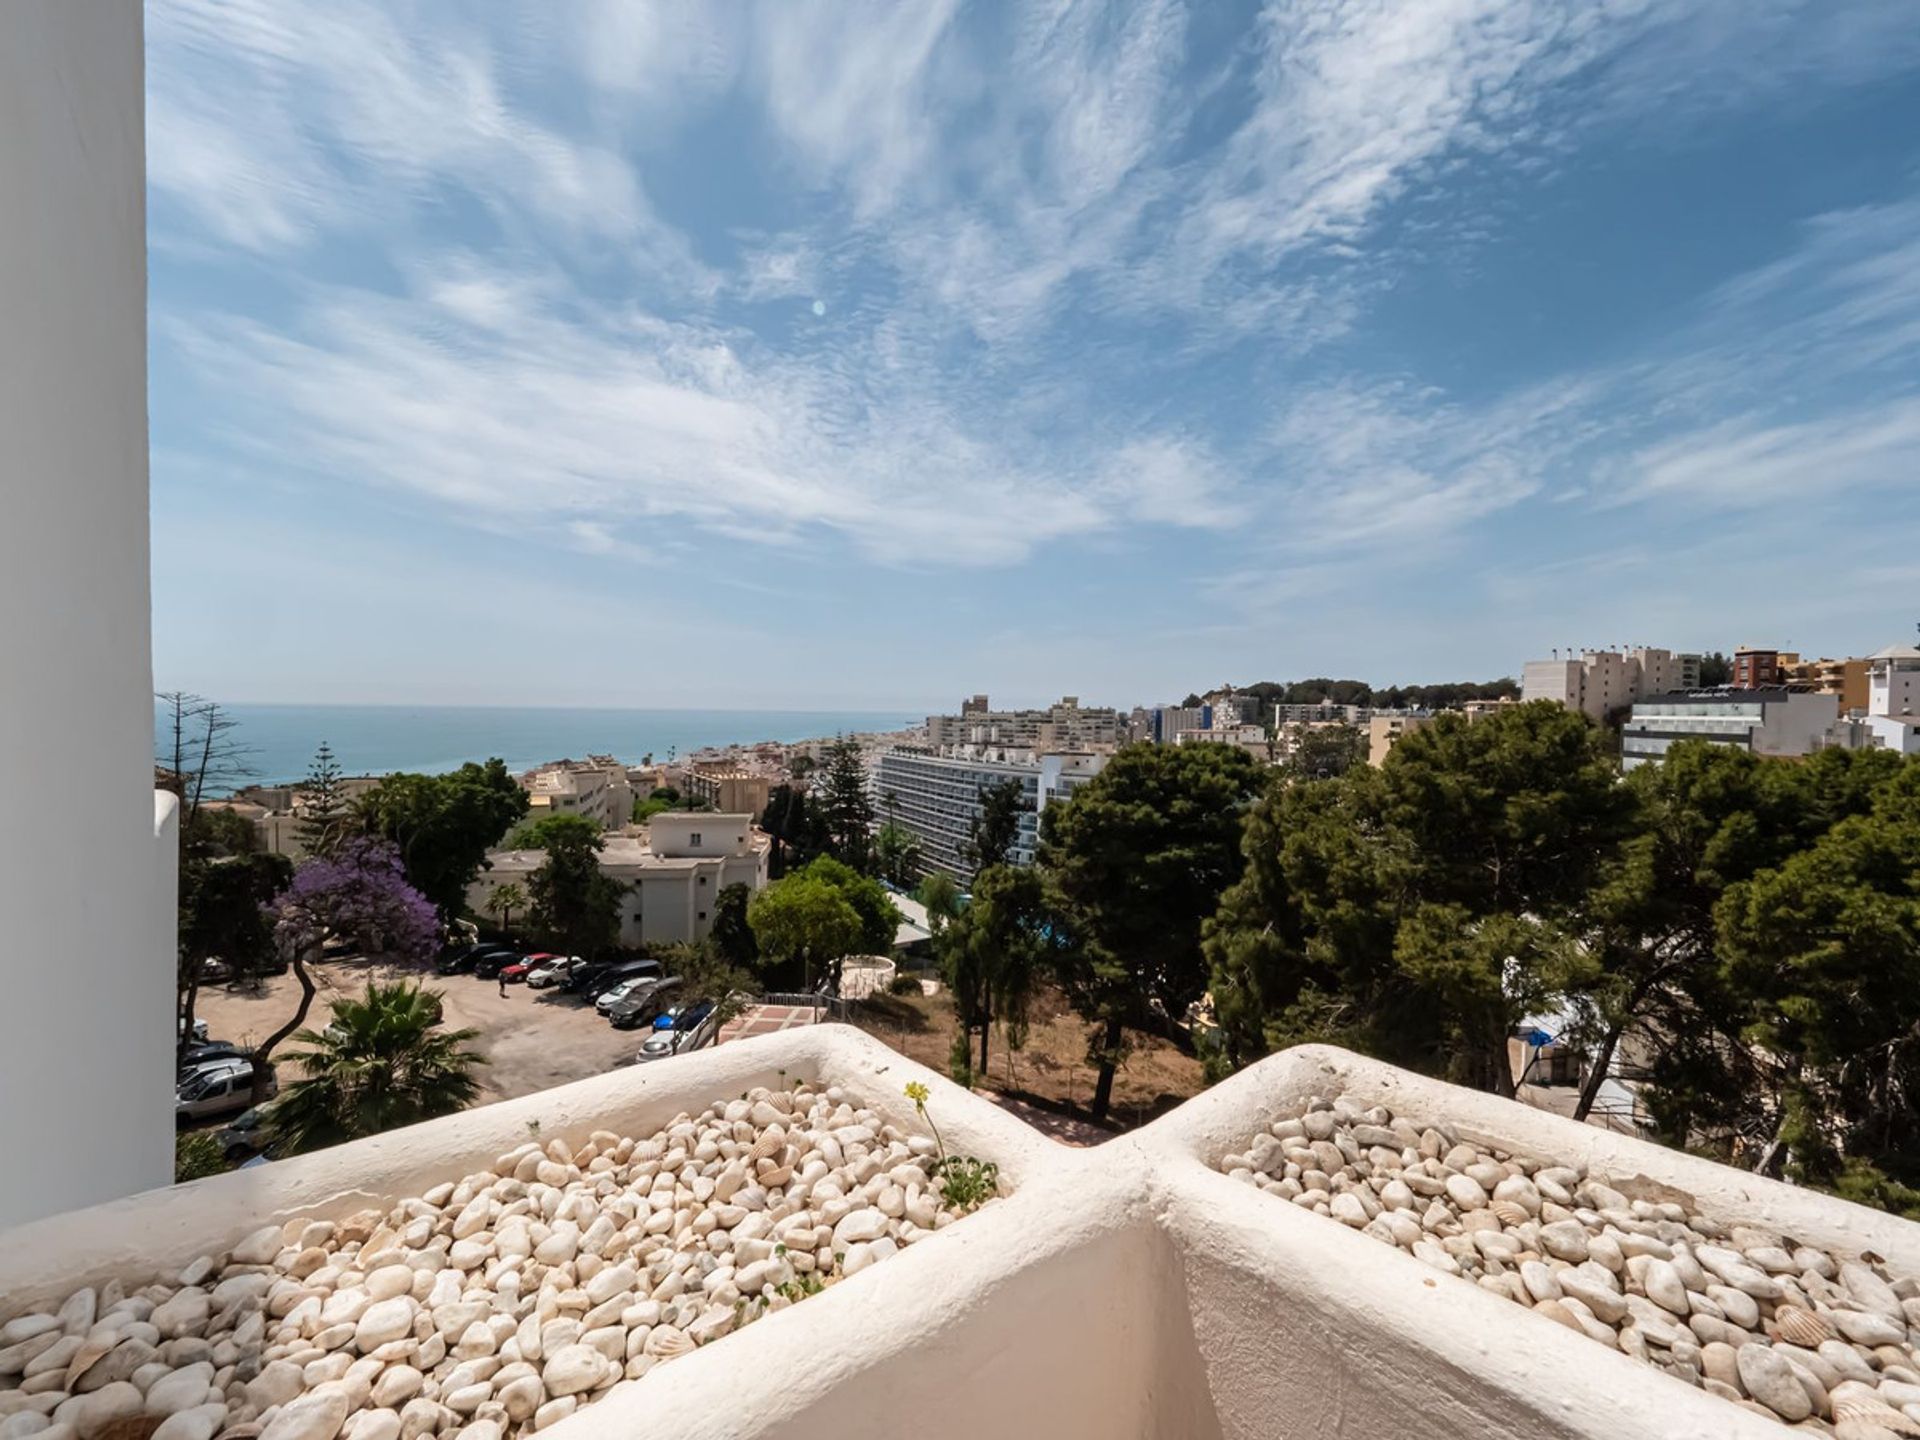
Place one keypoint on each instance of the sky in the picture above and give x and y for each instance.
(843, 355)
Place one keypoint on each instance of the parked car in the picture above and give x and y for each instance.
(490, 960)
(641, 1004)
(601, 980)
(241, 1138)
(632, 985)
(517, 972)
(198, 1057)
(554, 970)
(215, 971)
(455, 958)
(217, 1089)
(674, 1032)
(199, 1031)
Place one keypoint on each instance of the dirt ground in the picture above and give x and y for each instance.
(533, 1039)
(1049, 1076)
(536, 1039)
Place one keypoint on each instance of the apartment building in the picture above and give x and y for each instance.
(1384, 731)
(1892, 718)
(1844, 678)
(1067, 725)
(1170, 720)
(1250, 738)
(597, 787)
(742, 792)
(671, 869)
(1774, 722)
(1599, 683)
(936, 797)
(1758, 668)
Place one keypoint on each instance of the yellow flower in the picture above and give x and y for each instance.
(917, 1092)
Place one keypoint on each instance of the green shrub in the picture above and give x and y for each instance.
(197, 1154)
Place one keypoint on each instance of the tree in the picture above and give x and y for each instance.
(1138, 858)
(359, 892)
(897, 854)
(199, 755)
(994, 954)
(804, 922)
(879, 916)
(843, 806)
(794, 828)
(1709, 817)
(549, 830)
(573, 905)
(731, 935)
(1327, 751)
(222, 916)
(706, 975)
(940, 897)
(1715, 669)
(1823, 952)
(1419, 910)
(444, 825)
(384, 1061)
(995, 827)
(324, 814)
(503, 900)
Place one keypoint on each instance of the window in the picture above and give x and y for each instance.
(694, 838)
(703, 914)
(703, 879)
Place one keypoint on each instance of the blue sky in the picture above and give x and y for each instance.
(844, 355)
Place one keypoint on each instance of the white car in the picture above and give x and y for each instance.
(553, 972)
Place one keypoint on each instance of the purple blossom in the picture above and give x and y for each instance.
(359, 892)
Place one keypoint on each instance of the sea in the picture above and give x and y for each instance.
(279, 740)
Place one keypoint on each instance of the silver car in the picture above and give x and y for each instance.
(218, 1088)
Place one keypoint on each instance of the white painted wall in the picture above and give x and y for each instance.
(1126, 1290)
(85, 885)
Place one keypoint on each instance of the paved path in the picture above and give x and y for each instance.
(766, 1020)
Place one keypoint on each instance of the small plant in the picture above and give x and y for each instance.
(960, 1061)
(197, 1154)
(533, 1128)
(904, 985)
(966, 1183)
(806, 1283)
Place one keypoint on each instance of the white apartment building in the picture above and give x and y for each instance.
(1892, 720)
(597, 787)
(1065, 726)
(1250, 738)
(672, 869)
(1765, 722)
(936, 797)
(1599, 682)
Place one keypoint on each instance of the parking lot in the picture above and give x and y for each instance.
(533, 1039)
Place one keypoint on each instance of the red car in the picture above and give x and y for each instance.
(518, 971)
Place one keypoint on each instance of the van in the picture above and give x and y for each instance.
(217, 1089)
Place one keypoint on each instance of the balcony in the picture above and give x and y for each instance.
(1131, 1289)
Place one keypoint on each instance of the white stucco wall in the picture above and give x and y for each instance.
(1128, 1290)
(84, 883)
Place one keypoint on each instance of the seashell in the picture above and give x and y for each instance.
(771, 1142)
(89, 1354)
(1872, 1412)
(667, 1342)
(1801, 1327)
(776, 1176)
(1508, 1213)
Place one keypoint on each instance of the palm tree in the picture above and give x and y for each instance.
(503, 900)
(382, 1063)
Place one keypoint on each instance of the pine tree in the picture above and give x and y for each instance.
(323, 806)
(844, 806)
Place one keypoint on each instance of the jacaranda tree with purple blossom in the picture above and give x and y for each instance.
(357, 892)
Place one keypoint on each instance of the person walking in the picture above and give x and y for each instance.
(503, 984)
